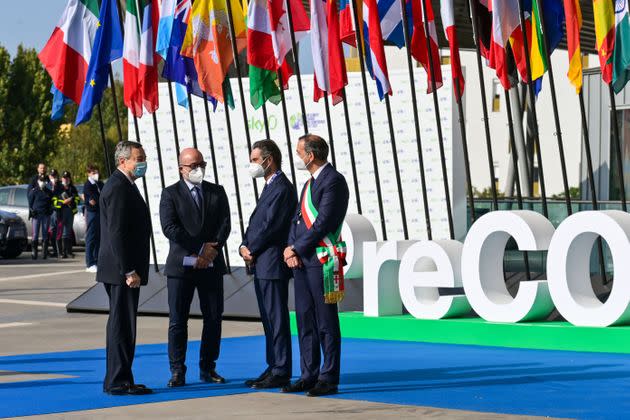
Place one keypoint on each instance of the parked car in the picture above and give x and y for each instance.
(14, 199)
(12, 235)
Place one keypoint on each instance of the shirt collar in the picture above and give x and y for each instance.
(190, 185)
(127, 176)
(274, 176)
(91, 181)
(319, 171)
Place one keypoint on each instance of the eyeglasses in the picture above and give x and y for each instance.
(194, 166)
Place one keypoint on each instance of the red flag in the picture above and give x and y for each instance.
(346, 24)
(419, 43)
(448, 20)
(336, 60)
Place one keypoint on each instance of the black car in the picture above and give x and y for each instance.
(13, 235)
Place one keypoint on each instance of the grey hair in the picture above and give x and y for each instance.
(316, 145)
(268, 148)
(123, 150)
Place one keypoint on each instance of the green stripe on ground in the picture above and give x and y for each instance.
(475, 331)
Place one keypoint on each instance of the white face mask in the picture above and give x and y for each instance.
(300, 165)
(196, 175)
(94, 177)
(256, 170)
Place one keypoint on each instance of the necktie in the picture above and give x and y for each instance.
(196, 198)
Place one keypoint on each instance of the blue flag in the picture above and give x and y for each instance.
(177, 68)
(108, 46)
(59, 101)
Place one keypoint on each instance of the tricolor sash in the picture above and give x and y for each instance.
(331, 251)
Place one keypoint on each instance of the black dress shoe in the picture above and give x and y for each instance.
(299, 386)
(322, 388)
(129, 390)
(211, 376)
(272, 381)
(260, 378)
(176, 380)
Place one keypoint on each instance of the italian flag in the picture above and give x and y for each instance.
(269, 41)
(67, 52)
(139, 58)
(621, 54)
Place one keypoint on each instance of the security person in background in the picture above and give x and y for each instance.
(54, 185)
(91, 193)
(41, 171)
(41, 205)
(195, 217)
(262, 248)
(65, 202)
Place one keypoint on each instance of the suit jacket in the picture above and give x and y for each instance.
(330, 197)
(125, 232)
(187, 230)
(268, 230)
(92, 192)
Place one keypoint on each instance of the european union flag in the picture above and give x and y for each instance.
(108, 46)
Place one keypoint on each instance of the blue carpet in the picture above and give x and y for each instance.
(533, 382)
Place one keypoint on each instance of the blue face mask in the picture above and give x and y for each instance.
(140, 170)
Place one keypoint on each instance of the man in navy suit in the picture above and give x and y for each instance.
(195, 217)
(123, 264)
(316, 229)
(262, 249)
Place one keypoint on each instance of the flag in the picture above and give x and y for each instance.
(346, 24)
(604, 15)
(448, 21)
(139, 57)
(208, 42)
(374, 49)
(336, 60)
(165, 27)
(59, 101)
(390, 13)
(108, 46)
(553, 13)
(67, 53)
(177, 68)
(574, 24)
(505, 19)
(269, 41)
(419, 43)
(621, 54)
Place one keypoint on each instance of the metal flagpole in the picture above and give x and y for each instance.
(287, 132)
(554, 103)
(113, 89)
(355, 179)
(108, 164)
(214, 166)
(368, 112)
(462, 127)
(237, 67)
(266, 120)
(296, 63)
(331, 140)
(532, 103)
(416, 120)
(234, 170)
(484, 104)
(436, 104)
(191, 114)
(176, 136)
(158, 149)
(619, 150)
(591, 181)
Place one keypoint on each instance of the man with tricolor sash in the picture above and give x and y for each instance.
(316, 253)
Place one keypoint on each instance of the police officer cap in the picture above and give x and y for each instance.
(53, 172)
(66, 174)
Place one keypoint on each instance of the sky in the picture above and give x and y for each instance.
(28, 22)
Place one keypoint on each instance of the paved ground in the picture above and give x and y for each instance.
(33, 320)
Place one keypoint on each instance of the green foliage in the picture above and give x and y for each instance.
(574, 193)
(486, 193)
(28, 135)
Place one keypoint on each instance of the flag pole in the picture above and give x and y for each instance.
(368, 111)
(234, 169)
(158, 149)
(296, 63)
(331, 141)
(287, 131)
(416, 120)
(449, 210)
(617, 145)
(215, 170)
(462, 127)
(484, 104)
(108, 164)
(175, 134)
(355, 179)
(532, 103)
(554, 103)
(191, 114)
(146, 199)
(517, 178)
(591, 181)
(266, 120)
(237, 68)
(113, 89)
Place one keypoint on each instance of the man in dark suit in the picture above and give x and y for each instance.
(195, 217)
(123, 264)
(262, 249)
(91, 193)
(316, 252)
(41, 171)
